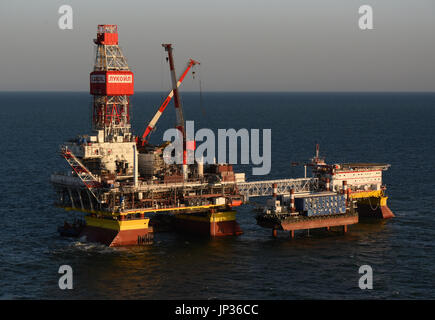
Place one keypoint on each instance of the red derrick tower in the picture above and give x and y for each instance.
(111, 84)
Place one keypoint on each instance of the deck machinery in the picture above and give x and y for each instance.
(122, 181)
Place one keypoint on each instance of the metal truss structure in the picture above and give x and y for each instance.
(111, 113)
(265, 188)
(88, 179)
(110, 58)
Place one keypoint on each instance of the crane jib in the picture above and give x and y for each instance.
(162, 108)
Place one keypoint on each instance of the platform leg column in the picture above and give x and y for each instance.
(345, 228)
(71, 198)
(292, 234)
(90, 200)
(274, 233)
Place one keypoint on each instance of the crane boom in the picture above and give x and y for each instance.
(162, 108)
(177, 102)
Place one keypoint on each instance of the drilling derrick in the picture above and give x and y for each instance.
(111, 84)
(109, 153)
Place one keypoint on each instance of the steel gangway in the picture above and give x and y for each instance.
(88, 179)
(265, 188)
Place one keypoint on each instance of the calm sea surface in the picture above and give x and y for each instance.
(395, 128)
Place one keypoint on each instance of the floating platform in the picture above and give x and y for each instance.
(132, 227)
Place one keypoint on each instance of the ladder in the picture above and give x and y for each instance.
(88, 179)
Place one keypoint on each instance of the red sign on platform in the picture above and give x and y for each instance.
(112, 83)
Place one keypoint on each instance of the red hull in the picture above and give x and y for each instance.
(236, 203)
(386, 212)
(214, 229)
(114, 238)
(325, 222)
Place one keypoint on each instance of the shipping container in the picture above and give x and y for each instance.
(321, 205)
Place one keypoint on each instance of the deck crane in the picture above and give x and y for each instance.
(173, 93)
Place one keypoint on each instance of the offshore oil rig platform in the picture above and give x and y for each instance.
(128, 191)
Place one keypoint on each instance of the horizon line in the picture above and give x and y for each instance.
(217, 91)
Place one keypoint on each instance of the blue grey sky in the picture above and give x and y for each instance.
(273, 45)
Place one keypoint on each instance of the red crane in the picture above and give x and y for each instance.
(173, 93)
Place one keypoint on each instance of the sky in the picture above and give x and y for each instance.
(273, 45)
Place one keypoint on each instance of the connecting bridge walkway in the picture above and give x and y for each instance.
(265, 188)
